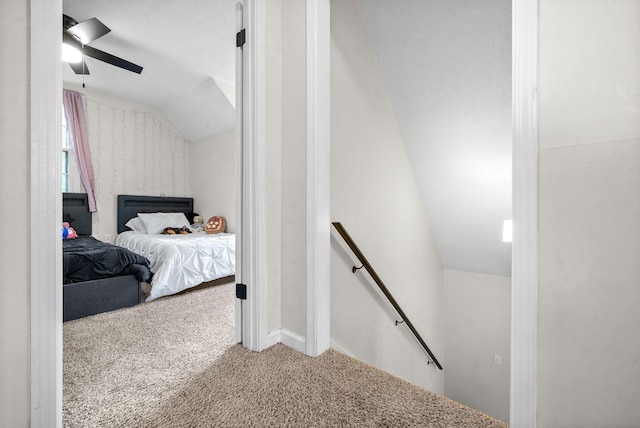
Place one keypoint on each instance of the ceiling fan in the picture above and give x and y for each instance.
(78, 35)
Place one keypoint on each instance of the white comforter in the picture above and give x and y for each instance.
(179, 262)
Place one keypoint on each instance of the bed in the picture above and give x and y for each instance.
(178, 262)
(97, 276)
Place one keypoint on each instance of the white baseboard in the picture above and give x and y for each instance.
(341, 349)
(273, 338)
(293, 341)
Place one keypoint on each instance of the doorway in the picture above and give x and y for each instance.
(46, 301)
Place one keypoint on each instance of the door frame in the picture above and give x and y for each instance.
(251, 269)
(45, 105)
(524, 297)
(318, 242)
(524, 277)
(45, 382)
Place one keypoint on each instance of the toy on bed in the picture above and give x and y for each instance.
(176, 230)
(68, 232)
(215, 224)
(198, 224)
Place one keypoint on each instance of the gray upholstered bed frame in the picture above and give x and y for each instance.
(93, 297)
(75, 210)
(82, 299)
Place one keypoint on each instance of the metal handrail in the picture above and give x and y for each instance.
(365, 263)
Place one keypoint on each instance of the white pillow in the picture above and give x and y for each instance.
(136, 225)
(155, 223)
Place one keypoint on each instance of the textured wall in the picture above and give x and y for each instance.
(294, 178)
(589, 288)
(273, 46)
(477, 311)
(213, 162)
(14, 192)
(447, 69)
(134, 151)
(375, 196)
(589, 214)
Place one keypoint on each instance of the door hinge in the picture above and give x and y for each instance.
(241, 291)
(240, 38)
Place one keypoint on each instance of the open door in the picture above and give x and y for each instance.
(239, 164)
(251, 320)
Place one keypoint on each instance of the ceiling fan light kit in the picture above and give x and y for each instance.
(76, 36)
(71, 54)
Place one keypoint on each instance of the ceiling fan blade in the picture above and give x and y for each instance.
(80, 68)
(111, 59)
(89, 30)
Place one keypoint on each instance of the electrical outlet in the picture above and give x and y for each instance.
(497, 359)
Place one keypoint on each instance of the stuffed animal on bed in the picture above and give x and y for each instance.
(68, 232)
(215, 224)
(198, 224)
(176, 230)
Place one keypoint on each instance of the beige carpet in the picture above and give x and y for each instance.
(172, 363)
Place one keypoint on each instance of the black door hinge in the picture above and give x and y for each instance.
(240, 38)
(241, 291)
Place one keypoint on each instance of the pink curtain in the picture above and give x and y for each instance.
(74, 113)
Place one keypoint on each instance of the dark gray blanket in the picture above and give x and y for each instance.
(85, 259)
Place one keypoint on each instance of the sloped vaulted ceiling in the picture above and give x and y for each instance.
(187, 49)
(447, 68)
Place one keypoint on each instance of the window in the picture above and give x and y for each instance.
(66, 149)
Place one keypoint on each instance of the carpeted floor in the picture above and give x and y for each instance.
(173, 363)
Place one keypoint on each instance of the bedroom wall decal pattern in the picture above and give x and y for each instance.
(135, 152)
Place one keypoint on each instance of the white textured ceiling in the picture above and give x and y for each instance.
(447, 68)
(187, 49)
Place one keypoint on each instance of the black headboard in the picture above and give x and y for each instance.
(75, 211)
(130, 205)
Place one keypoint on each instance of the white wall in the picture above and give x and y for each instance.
(478, 327)
(14, 193)
(273, 46)
(375, 196)
(589, 214)
(447, 70)
(294, 142)
(134, 151)
(213, 169)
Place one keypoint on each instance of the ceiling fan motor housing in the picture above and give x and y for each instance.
(68, 22)
(80, 34)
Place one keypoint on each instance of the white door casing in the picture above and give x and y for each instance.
(318, 177)
(524, 278)
(251, 267)
(45, 106)
(45, 203)
(238, 165)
